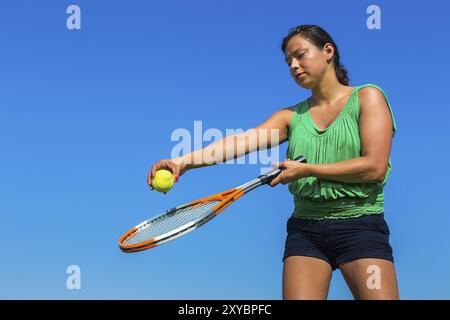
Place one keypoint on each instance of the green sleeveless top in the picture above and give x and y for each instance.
(316, 198)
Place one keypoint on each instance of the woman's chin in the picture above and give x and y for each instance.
(304, 83)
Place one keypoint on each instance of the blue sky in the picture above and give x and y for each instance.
(84, 114)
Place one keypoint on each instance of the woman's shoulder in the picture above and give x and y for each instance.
(369, 87)
(296, 107)
(371, 91)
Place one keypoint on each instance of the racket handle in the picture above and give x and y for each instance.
(269, 176)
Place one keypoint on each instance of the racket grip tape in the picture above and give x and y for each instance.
(268, 177)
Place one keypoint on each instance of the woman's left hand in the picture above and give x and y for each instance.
(291, 171)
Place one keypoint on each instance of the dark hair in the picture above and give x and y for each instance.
(319, 38)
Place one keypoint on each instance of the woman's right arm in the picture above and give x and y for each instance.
(270, 133)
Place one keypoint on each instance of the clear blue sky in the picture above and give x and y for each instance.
(84, 113)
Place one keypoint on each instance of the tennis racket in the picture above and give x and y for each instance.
(185, 218)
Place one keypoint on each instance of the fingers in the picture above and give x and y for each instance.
(280, 179)
(176, 172)
(151, 174)
(175, 169)
(149, 178)
(163, 164)
(280, 165)
(155, 168)
(275, 181)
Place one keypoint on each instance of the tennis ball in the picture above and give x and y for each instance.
(163, 180)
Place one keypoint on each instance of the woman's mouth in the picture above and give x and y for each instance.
(298, 75)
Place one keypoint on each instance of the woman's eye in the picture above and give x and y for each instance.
(297, 56)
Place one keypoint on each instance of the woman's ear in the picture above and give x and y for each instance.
(328, 49)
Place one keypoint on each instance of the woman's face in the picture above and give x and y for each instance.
(307, 63)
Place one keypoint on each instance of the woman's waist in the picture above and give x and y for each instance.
(340, 207)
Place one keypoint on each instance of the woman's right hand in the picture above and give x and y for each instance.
(173, 165)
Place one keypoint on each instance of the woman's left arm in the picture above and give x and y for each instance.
(375, 127)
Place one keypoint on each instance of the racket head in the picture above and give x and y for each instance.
(176, 222)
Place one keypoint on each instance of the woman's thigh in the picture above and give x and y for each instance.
(370, 279)
(306, 278)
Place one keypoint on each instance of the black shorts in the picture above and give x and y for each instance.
(339, 240)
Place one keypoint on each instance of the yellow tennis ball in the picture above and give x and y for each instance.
(163, 180)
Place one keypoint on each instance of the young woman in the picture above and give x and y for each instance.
(345, 133)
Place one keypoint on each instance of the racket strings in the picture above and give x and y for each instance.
(170, 221)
